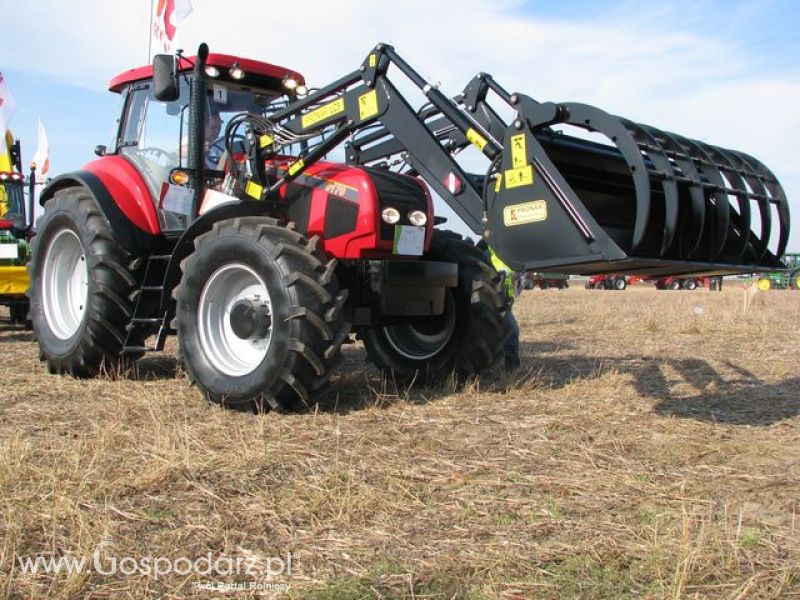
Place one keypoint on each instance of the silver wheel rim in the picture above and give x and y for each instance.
(65, 284)
(422, 343)
(226, 351)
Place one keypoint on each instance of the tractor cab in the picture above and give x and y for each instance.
(153, 134)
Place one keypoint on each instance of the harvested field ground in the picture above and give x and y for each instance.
(650, 447)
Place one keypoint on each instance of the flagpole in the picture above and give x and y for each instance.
(150, 33)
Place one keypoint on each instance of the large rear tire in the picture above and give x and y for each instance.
(82, 281)
(620, 284)
(466, 340)
(259, 316)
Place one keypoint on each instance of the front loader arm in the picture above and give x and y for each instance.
(648, 201)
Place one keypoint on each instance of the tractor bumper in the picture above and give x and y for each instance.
(13, 281)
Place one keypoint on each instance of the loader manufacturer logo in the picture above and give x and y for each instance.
(527, 212)
(323, 112)
(368, 105)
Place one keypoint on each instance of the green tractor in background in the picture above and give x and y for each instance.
(785, 279)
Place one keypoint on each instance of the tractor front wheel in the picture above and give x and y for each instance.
(466, 340)
(620, 284)
(259, 315)
(764, 284)
(690, 284)
(82, 281)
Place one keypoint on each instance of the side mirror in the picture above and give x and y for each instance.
(100, 150)
(165, 77)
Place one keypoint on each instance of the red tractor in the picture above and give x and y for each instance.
(214, 215)
(681, 283)
(607, 282)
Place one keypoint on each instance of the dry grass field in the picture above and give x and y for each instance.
(650, 447)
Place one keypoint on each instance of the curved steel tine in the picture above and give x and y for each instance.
(594, 119)
(756, 183)
(690, 171)
(728, 166)
(779, 197)
(721, 203)
(661, 162)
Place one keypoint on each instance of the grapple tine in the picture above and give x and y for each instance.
(658, 157)
(717, 197)
(594, 119)
(756, 183)
(742, 197)
(778, 197)
(696, 195)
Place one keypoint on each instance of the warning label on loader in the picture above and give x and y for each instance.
(518, 177)
(527, 212)
(368, 105)
(519, 158)
(323, 112)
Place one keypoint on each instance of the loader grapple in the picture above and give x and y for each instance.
(652, 203)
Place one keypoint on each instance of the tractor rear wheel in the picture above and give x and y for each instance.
(795, 280)
(81, 285)
(259, 315)
(675, 284)
(690, 284)
(620, 284)
(600, 285)
(466, 340)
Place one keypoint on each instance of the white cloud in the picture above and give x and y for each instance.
(633, 61)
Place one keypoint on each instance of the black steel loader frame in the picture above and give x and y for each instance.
(652, 202)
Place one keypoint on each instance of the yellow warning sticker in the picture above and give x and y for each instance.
(519, 177)
(265, 141)
(253, 190)
(373, 60)
(296, 166)
(527, 212)
(498, 181)
(476, 139)
(323, 112)
(519, 158)
(368, 105)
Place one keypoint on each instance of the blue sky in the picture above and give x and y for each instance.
(724, 72)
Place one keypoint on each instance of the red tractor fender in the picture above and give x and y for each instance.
(122, 196)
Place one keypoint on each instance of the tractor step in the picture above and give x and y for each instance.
(137, 349)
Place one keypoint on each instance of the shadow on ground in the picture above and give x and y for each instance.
(739, 400)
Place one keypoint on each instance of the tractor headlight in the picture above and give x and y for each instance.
(418, 218)
(212, 71)
(390, 215)
(290, 83)
(236, 71)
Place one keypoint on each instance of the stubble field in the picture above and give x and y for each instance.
(649, 447)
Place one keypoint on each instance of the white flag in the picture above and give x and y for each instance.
(7, 109)
(168, 15)
(42, 155)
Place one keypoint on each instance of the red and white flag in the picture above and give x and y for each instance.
(7, 109)
(42, 155)
(168, 15)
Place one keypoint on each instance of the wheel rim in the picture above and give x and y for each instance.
(764, 285)
(226, 351)
(417, 341)
(65, 284)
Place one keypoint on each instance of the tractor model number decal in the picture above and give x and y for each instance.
(476, 139)
(368, 105)
(519, 157)
(519, 177)
(527, 212)
(323, 112)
